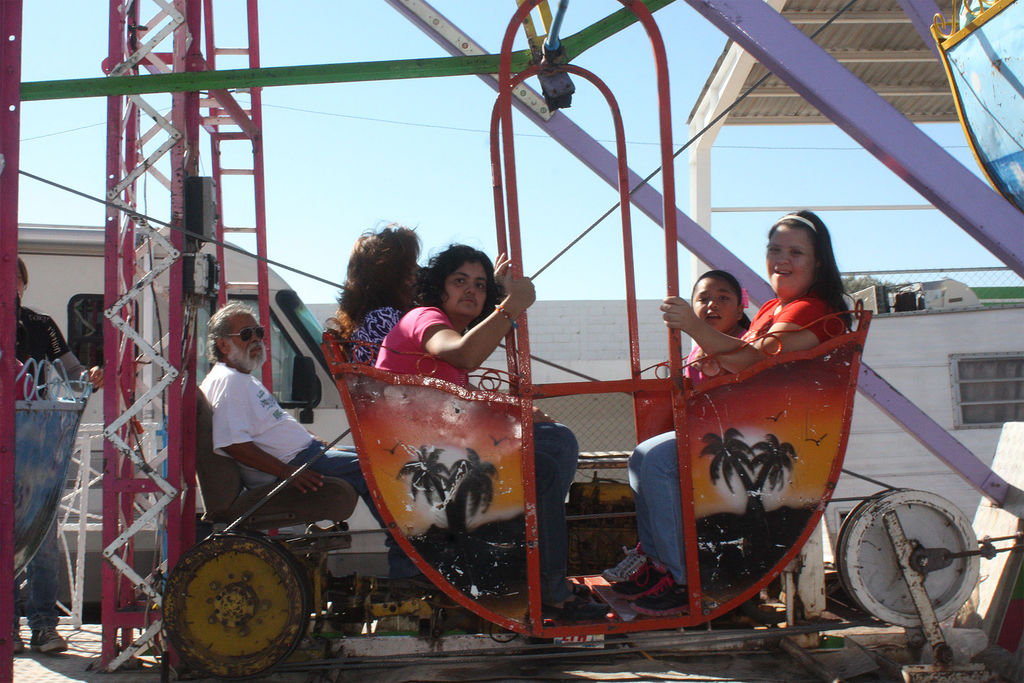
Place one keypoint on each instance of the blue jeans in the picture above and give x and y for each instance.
(343, 463)
(41, 588)
(556, 454)
(654, 478)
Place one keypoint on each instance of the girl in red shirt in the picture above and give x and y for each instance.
(803, 273)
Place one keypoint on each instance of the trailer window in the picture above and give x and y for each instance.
(85, 328)
(988, 389)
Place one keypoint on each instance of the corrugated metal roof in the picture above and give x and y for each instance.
(876, 41)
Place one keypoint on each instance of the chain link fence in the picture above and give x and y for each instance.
(603, 423)
(904, 291)
(908, 290)
(984, 278)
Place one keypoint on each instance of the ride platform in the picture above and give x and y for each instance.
(673, 656)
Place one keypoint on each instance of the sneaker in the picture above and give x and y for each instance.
(647, 579)
(629, 565)
(670, 598)
(17, 644)
(48, 641)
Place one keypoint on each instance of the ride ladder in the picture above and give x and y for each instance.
(227, 121)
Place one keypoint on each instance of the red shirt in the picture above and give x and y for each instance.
(802, 312)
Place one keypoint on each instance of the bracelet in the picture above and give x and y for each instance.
(501, 309)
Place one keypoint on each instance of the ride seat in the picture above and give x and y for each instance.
(225, 498)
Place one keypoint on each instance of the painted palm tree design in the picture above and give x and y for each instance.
(470, 490)
(428, 475)
(462, 490)
(730, 457)
(772, 462)
(760, 468)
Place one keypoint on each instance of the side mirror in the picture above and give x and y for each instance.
(306, 389)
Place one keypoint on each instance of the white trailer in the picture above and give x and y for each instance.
(65, 266)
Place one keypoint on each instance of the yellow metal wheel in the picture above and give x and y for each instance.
(235, 605)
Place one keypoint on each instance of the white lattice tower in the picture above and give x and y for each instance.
(136, 494)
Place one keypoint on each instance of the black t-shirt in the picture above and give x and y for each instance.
(38, 337)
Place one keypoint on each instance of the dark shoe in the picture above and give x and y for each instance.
(48, 641)
(582, 590)
(669, 599)
(576, 609)
(17, 644)
(646, 580)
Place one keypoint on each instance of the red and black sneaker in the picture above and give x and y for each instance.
(667, 599)
(644, 580)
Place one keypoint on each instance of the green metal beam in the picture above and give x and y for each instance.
(229, 79)
(267, 77)
(581, 41)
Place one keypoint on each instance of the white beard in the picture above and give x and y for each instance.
(243, 360)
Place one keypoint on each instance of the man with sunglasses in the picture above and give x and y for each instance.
(248, 423)
(250, 426)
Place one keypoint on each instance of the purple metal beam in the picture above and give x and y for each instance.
(10, 130)
(929, 433)
(857, 109)
(922, 14)
(941, 443)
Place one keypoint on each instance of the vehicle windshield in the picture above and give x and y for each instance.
(305, 323)
(302, 314)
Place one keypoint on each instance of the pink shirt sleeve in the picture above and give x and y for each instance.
(425, 318)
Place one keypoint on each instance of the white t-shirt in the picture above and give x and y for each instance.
(244, 410)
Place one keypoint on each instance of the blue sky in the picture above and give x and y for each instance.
(342, 158)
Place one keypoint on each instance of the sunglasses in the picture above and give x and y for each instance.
(246, 333)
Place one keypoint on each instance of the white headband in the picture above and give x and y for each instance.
(794, 217)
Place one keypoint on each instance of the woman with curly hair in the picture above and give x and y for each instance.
(378, 289)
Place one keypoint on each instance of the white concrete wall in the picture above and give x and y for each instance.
(912, 352)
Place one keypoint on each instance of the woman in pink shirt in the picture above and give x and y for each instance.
(464, 313)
